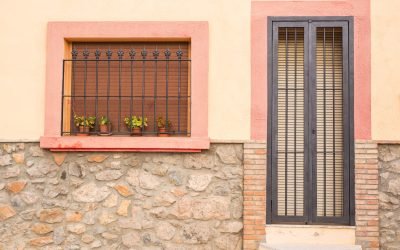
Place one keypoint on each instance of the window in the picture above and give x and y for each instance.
(127, 88)
(310, 117)
(189, 129)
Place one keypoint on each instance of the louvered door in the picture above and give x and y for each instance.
(309, 123)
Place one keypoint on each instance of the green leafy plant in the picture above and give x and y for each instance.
(162, 123)
(136, 122)
(79, 120)
(104, 120)
(90, 121)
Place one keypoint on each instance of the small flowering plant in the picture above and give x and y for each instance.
(82, 121)
(104, 120)
(162, 123)
(135, 122)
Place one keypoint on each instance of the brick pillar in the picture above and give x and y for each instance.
(366, 193)
(254, 196)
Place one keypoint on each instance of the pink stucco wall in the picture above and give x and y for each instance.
(360, 9)
(59, 32)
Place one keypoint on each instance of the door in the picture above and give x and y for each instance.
(310, 122)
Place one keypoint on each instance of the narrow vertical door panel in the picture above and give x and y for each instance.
(290, 122)
(329, 121)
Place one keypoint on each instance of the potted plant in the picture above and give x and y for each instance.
(163, 126)
(136, 124)
(80, 124)
(105, 125)
(84, 124)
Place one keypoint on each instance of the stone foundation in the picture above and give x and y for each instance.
(121, 200)
(115, 200)
(389, 196)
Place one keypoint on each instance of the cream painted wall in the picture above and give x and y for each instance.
(23, 44)
(385, 104)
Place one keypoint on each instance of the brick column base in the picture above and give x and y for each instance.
(254, 196)
(366, 194)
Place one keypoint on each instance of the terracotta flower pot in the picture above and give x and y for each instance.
(136, 132)
(104, 129)
(83, 131)
(163, 132)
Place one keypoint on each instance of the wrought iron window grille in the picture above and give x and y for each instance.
(151, 82)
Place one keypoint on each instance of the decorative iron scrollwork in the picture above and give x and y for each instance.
(74, 53)
(167, 53)
(120, 54)
(144, 53)
(179, 54)
(97, 53)
(156, 53)
(132, 53)
(86, 53)
(109, 54)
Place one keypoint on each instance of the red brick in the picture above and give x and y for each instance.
(251, 156)
(253, 237)
(255, 162)
(254, 177)
(247, 166)
(248, 222)
(254, 172)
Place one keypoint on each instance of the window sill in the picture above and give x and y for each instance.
(132, 144)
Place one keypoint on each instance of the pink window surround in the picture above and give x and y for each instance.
(359, 9)
(58, 33)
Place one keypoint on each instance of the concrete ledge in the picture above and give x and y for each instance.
(264, 246)
(306, 234)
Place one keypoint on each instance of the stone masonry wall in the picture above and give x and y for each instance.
(121, 200)
(389, 196)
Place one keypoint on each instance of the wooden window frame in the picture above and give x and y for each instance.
(349, 198)
(59, 34)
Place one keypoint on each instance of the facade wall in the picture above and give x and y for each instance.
(24, 36)
(214, 199)
(209, 200)
(121, 200)
(385, 75)
(229, 74)
(359, 9)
